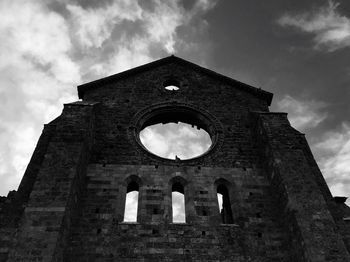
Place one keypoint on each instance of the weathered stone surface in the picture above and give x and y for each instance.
(70, 204)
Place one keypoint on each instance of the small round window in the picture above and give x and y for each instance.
(171, 85)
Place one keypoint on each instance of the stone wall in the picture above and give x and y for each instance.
(12, 206)
(70, 204)
(44, 227)
(308, 221)
(101, 233)
(122, 100)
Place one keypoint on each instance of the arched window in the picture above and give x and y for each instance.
(178, 203)
(131, 202)
(224, 204)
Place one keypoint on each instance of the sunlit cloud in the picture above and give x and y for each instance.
(135, 53)
(303, 114)
(46, 52)
(156, 143)
(36, 73)
(94, 26)
(172, 140)
(331, 29)
(163, 21)
(158, 31)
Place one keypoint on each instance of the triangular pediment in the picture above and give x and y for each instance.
(258, 92)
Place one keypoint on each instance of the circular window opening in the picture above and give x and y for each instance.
(176, 141)
(171, 85)
(174, 131)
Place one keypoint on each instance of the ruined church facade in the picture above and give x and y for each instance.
(71, 201)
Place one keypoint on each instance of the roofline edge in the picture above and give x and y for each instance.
(265, 95)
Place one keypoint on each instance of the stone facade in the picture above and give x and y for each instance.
(70, 203)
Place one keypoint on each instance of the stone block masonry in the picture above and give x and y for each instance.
(71, 201)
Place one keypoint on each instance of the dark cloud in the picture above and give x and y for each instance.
(246, 41)
(248, 44)
(92, 4)
(188, 4)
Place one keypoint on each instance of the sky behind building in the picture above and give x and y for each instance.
(298, 50)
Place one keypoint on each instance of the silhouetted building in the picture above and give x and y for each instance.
(70, 204)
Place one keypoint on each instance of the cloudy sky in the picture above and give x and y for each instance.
(298, 50)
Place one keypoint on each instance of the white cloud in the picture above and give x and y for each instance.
(331, 30)
(303, 114)
(45, 54)
(204, 5)
(134, 54)
(36, 73)
(334, 159)
(172, 140)
(94, 26)
(154, 142)
(161, 24)
(30, 37)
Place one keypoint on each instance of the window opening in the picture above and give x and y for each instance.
(224, 205)
(176, 141)
(131, 202)
(178, 203)
(172, 88)
(171, 85)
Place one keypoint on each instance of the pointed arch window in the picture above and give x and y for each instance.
(131, 202)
